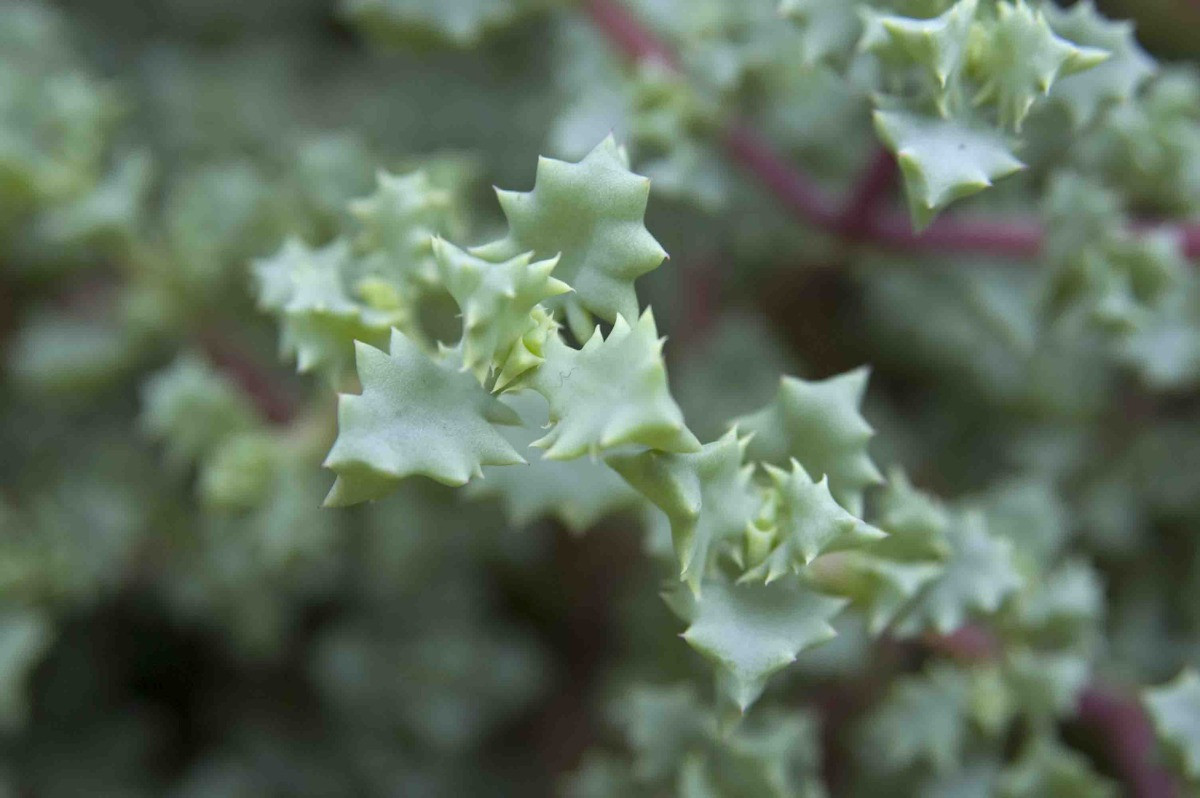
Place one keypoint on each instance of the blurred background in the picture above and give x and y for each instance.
(178, 616)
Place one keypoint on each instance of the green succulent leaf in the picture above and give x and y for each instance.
(1175, 710)
(319, 320)
(750, 631)
(978, 575)
(807, 523)
(527, 352)
(496, 300)
(1116, 80)
(610, 393)
(943, 160)
(818, 424)
(938, 45)
(415, 416)
(707, 495)
(1017, 57)
(914, 521)
(578, 493)
(589, 214)
(975, 779)
(397, 224)
(880, 587)
(1066, 604)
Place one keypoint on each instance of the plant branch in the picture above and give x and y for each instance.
(868, 194)
(857, 219)
(272, 400)
(1130, 740)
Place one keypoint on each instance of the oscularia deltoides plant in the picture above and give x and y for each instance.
(329, 471)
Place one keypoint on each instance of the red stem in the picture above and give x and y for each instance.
(1130, 737)
(275, 403)
(867, 194)
(857, 219)
(627, 34)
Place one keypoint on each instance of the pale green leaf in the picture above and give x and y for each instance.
(319, 319)
(1117, 79)
(828, 28)
(496, 300)
(750, 631)
(978, 575)
(589, 214)
(707, 495)
(914, 521)
(398, 222)
(943, 160)
(415, 416)
(25, 635)
(661, 724)
(461, 23)
(939, 45)
(1017, 57)
(578, 493)
(819, 424)
(611, 392)
(1047, 684)
(807, 522)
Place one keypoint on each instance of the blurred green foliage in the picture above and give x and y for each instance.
(204, 206)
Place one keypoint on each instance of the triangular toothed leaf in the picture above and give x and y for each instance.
(496, 300)
(319, 320)
(943, 160)
(707, 495)
(915, 522)
(590, 215)
(1116, 80)
(880, 587)
(751, 631)
(193, 408)
(807, 523)
(819, 424)
(978, 575)
(939, 45)
(526, 353)
(397, 224)
(661, 724)
(611, 392)
(1047, 684)
(1017, 57)
(578, 493)
(415, 416)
